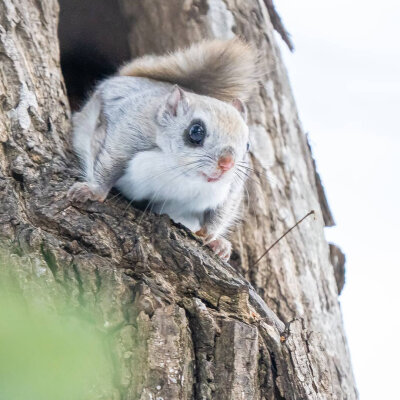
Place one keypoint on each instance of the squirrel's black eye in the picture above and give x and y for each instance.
(197, 133)
(248, 146)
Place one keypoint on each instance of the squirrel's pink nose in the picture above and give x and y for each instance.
(225, 163)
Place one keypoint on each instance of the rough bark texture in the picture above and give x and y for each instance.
(179, 323)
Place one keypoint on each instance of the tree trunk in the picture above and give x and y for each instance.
(178, 322)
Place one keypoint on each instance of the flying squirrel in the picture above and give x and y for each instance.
(171, 130)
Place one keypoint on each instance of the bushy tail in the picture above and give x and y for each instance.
(224, 69)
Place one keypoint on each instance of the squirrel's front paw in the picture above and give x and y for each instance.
(82, 192)
(221, 247)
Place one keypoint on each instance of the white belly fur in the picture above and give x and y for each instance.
(175, 190)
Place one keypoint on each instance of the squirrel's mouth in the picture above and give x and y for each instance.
(213, 178)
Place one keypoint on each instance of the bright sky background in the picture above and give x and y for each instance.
(345, 75)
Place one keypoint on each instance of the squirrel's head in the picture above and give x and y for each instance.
(208, 138)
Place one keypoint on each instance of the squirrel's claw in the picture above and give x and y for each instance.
(221, 248)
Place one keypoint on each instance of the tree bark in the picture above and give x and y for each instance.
(178, 322)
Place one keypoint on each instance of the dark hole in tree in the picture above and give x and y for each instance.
(93, 43)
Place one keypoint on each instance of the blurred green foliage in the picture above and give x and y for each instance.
(45, 355)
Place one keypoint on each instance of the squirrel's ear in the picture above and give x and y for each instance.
(177, 103)
(240, 106)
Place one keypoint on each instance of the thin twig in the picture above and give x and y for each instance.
(276, 241)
